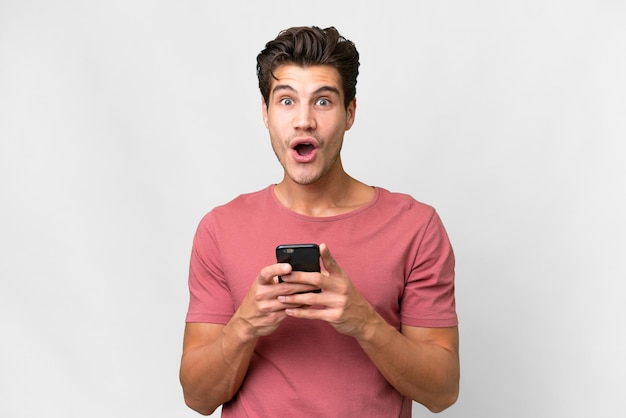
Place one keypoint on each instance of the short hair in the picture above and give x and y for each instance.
(306, 46)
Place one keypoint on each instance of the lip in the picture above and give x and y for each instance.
(309, 157)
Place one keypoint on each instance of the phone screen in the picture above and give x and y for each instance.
(302, 257)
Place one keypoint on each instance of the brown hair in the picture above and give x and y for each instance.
(307, 46)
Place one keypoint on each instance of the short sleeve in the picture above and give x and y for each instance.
(209, 295)
(428, 299)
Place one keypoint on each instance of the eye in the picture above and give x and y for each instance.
(323, 102)
(286, 101)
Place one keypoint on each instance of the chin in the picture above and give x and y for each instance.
(304, 180)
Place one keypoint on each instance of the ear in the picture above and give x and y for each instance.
(264, 110)
(350, 114)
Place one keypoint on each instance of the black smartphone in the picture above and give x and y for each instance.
(302, 257)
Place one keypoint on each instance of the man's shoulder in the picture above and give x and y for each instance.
(250, 198)
(402, 201)
(237, 211)
(243, 204)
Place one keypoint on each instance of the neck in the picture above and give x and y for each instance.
(332, 195)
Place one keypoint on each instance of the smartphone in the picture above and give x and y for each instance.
(302, 257)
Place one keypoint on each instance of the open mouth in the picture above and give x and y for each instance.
(304, 149)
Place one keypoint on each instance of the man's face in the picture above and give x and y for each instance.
(306, 119)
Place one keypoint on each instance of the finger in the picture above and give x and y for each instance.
(267, 274)
(307, 313)
(329, 262)
(300, 295)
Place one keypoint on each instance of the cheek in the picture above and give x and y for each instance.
(278, 145)
(276, 126)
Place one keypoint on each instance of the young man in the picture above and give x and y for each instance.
(383, 330)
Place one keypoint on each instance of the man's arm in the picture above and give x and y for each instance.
(216, 357)
(214, 362)
(421, 363)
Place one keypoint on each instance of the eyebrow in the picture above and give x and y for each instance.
(322, 89)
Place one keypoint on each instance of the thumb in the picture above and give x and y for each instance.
(329, 262)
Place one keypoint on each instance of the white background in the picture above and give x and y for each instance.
(123, 122)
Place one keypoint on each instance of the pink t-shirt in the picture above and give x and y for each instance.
(396, 252)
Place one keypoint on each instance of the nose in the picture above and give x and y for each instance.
(304, 118)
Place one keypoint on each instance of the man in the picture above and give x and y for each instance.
(383, 330)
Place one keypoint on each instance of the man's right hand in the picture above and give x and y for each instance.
(216, 357)
(261, 313)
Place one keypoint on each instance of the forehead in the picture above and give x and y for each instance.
(306, 79)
